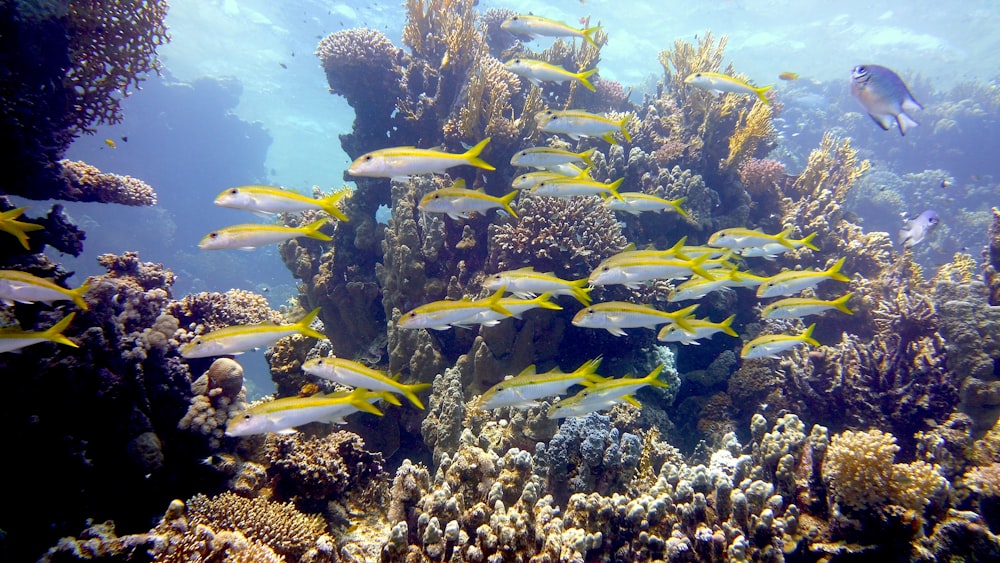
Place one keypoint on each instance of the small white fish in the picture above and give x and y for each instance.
(283, 415)
(703, 328)
(251, 235)
(459, 202)
(238, 339)
(399, 162)
(269, 199)
(884, 96)
(769, 346)
(916, 230)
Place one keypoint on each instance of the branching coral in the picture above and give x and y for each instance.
(320, 467)
(753, 128)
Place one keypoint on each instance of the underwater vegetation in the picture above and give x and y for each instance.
(672, 346)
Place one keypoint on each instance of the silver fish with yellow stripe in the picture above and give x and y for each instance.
(21, 287)
(399, 162)
(532, 26)
(702, 328)
(281, 416)
(614, 316)
(13, 338)
(799, 307)
(270, 199)
(443, 314)
(527, 388)
(459, 202)
(527, 283)
(537, 72)
(790, 282)
(771, 345)
(719, 83)
(636, 203)
(251, 235)
(576, 123)
(571, 187)
(544, 158)
(356, 374)
(238, 339)
(605, 394)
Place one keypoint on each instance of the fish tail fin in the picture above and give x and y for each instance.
(782, 239)
(761, 91)
(471, 156)
(544, 301)
(505, 201)
(834, 271)
(330, 204)
(303, 325)
(493, 302)
(807, 336)
(9, 223)
(613, 188)
(678, 249)
(632, 401)
(905, 123)
(312, 230)
(653, 377)
(76, 295)
(588, 35)
(410, 392)
(624, 126)
(589, 370)
(55, 332)
(676, 204)
(587, 157)
(840, 303)
(806, 241)
(359, 400)
(695, 265)
(581, 291)
(389, 397)
(727, 325)
(680, 318)
(583, 76)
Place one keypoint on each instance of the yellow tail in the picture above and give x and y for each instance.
(583, 76)
(505, 200)
(472, 156)
(312, 230)
(54, 333)
(303, 325)
(410, 392)
(330, 204)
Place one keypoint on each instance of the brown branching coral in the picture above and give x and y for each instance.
(488, 109)
(753, 128)
(83, 182)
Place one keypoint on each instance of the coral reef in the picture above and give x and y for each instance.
(217, 396)
(86, 183)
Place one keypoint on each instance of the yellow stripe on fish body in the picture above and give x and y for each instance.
(739, 238)
(237, 339)
(531, 26)
(798, 307)
(696, 288)
(251, 235)
(525, 389)
(771, 345)
(637, 202)
(527, 283)
(21, 287)
(18, 229)
(283, 415)
(579, 123)
(547, 157)
(536, 72)
(514, 306)
(605, 395)
(441, 315)
(790, 282)
(270, 199)
(13, 338)
(458, 202)
(356, 374)
(614, 316)
(703, 328)
(532, 179)
(716, 82)
(569, 187)
(397, 162)
(631, 253)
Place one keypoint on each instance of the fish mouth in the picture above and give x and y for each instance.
(860, 74)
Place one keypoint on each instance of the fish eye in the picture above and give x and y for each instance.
(234, 191)
(517, 61)
(605, 269)
(500, 388)
(198, 342)
(411, 315)
(247, 416)
(213, 235)
(368, 157)
(437, 196)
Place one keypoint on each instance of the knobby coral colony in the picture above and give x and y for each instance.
(893, 453)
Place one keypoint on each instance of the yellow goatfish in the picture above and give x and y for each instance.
(771, 345)
(614, 316)
(237, 339)
(605, 394)
(251, 235)
(578, 123)
(13, 338)
(536, 72)
(548, 157)
(458, 202)
(441, 315)
(790, 282)
(634, 271)
(269, 199)
(526, 283)
(703, 328)
(532, 179)
(21, 287)
(533, 26)
(798, 307)
(569, 187)
(719, 83)
(283, 415)
(637, 202)
(527, 388)
(515, 306)
(399, 162)
(10, 224)
(356, 374)
(738, 238)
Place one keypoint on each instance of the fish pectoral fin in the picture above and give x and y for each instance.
(616, 331)
(882, 121)
(287, 431)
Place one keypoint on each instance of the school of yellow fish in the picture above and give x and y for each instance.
(698, 270)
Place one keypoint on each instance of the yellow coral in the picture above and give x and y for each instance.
(962, 269)
(442, 31)
(834, 166)
(752, 127)
(858, 468)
